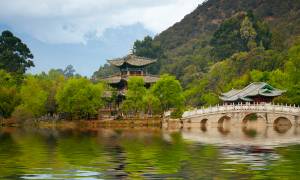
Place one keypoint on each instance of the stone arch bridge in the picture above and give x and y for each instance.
(240, 114)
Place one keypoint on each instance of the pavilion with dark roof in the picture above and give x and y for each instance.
(130, 66)
(257, 92)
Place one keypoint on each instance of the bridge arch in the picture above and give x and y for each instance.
(282, 125)
(254, 116)
(224, 124)
(223, 119)
(203, 124)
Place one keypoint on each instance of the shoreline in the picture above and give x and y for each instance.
(93, 124)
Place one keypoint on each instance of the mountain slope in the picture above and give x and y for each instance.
(282, 16)
(189, 47)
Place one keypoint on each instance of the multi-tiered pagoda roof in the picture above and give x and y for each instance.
(131, 65)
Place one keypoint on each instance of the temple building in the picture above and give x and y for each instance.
(258, 92)
(130, 66)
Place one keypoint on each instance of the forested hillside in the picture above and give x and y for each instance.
(226, 44)
(281, 16)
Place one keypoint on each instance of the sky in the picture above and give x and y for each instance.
(85, 33)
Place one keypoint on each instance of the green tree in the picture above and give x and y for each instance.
(51, 82)
(169, 92)
(147, 48)
(293, 65)
(33, 97)
(195, 91)
(152, 104)
(53, 73)
(292, 69)
(242, 32)
(227, 39)
(9, 98)
(134, 96)
(15, 56)
(248, 33)
(105, 71)
(258, 76)
(69, 71)
(279, 79)
(79, 98)
(150, 49)
(210, 99)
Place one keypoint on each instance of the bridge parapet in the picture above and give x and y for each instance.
(269, 108)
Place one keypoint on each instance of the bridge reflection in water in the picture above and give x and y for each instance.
(253, 144)
(252, 135)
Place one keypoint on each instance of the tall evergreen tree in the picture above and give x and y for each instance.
(15, 56)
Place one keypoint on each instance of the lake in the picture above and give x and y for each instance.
(205, 153)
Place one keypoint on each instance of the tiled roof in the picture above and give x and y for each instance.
(112, 79)
(117, 79)
(132, 60)
(254, 89)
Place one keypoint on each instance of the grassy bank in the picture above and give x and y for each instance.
(154, 122)
(126, 123)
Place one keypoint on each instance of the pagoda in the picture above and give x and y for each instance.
(130, 66)
(257, 92)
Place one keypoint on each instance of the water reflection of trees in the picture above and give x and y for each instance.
(9, 152)
(154, 156)
(144, 155)
(39, 151)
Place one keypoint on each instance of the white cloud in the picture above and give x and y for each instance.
(72, 21)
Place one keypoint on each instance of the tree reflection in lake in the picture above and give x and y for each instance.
(149, 154)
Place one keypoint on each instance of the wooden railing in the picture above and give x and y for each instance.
(289, 109)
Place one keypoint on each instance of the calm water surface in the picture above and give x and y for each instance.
(150, 154)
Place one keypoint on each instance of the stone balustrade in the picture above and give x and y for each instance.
(268, 108)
